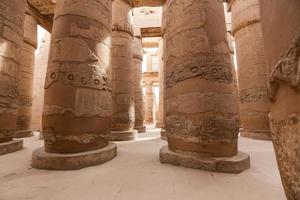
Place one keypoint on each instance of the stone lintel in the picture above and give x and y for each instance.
(234, 165)
(53, 161)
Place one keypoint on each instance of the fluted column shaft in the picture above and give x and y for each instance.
(12, 14)
(24, 128)
(139, 96)
(281, 31)
(77, 109)
(253, 70)
(122, 66)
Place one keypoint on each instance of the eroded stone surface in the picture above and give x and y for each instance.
(139, 96)
(282, 50)
(122, 69)
(77, 108)
(201, 110)
(12, 14)
(253, 70)
(23, 128)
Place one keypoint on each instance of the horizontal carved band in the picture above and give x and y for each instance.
(253, 95)
(287, 69)
(90, 76)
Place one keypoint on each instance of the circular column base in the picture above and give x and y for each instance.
(124, 135)
(235, 164)
(140, 129)
(23, 133)
(163, 134)
(257, 135)
(11, 146)
(54, 161)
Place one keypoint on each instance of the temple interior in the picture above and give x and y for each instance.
(149, 99)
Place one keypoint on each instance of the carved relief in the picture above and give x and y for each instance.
(285, 134)
(253, 95)
(287, 69)
(79, 75)
(123, 28)
(86, 138)
(211, 69)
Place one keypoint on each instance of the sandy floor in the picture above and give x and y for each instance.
(136, 174)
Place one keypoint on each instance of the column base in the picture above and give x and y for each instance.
(124, 135)
(163, 134)
(11, 146)
(235, 164)
(140, 129)
(24, 133)
(257, 135)
(54, 161)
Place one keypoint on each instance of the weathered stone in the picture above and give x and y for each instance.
(11, 146)
(201, 111)
(77, 107)
(12, 14)
(235, 164)
(40, 68)
(253, 70)
(24, 128)
(122, 66)
(52, 161)
(149, 103)
(160, 117)
(283, 56)
(139, 96)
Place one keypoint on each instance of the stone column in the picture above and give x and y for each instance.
(139, 96)
(77, 108)
(281, 31)
(40, 68)
(24, 128)
(122, 66)
(12, 14)
(201, 113)
(252, 71)
(160, 118)
(149, 101)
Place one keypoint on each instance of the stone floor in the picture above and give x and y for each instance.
(136, 174)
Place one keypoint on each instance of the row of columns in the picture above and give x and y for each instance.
(83, 97)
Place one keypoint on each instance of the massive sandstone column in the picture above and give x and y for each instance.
(160, 118)
(281, 31)
(12, 14)
(24, 128)
(40, 69)
(139, 96)
(149, 102)
(122, 66)
(201, 112)
(253, 71)
(77, 108)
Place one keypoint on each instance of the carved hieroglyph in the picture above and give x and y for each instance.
(12, 14)
(77, 109)
(122, 66)
(26, 77)
(139, 96)
(283, 56)
(253, 70)
(200, 108)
